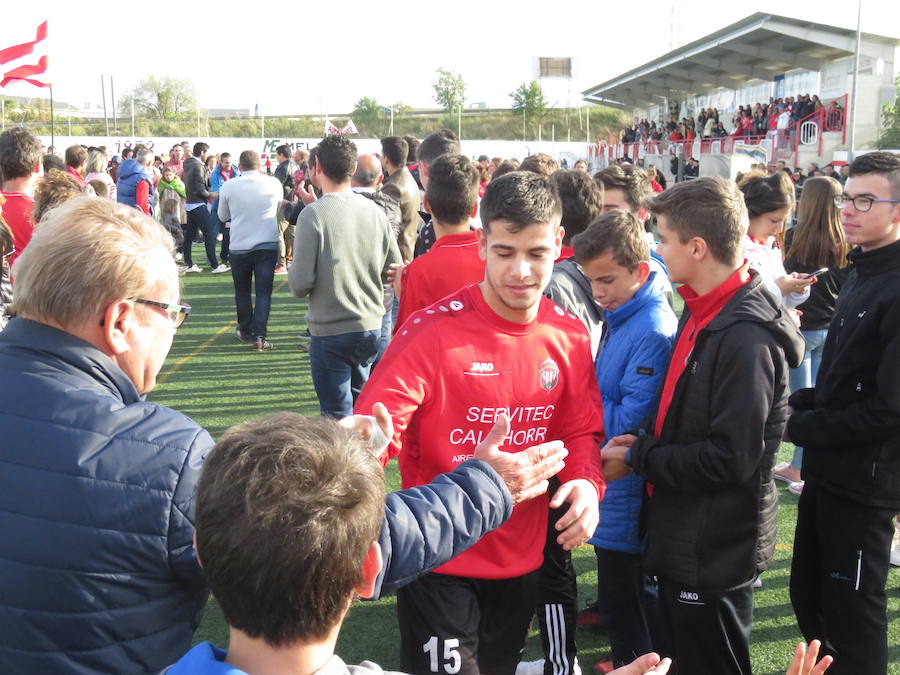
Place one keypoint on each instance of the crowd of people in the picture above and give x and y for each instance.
(507, 331)
(758, 120)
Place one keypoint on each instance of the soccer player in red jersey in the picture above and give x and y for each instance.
(453, 261)
(490, 349)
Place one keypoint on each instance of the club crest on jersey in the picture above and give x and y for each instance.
(549, 375)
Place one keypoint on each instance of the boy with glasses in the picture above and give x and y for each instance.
(849, 427)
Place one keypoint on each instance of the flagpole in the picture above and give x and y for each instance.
(52, 122)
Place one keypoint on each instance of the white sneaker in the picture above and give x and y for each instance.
(796, 488)
(193, 268)
(895, 549)
(530, 667)
(221, 269)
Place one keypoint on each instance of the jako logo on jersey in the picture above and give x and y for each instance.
(482, 367)
(688, 595)
(549, 372)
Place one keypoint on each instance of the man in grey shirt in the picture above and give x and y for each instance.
(251, 203)
(342, 250)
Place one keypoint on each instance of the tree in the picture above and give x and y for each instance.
(367, 112)
(161, 97)
(530, 97)
(449, 90)
(890, 122)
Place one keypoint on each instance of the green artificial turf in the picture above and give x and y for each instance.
(219, 382)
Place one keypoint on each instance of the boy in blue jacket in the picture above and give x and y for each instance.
(615, 257)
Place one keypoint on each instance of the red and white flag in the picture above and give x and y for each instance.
(349, 128)
(331, 129)
(26, 62)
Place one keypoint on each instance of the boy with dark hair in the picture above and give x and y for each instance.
(20, 156)
(640, 329)
(453, 262)
(504, 350)
(443, 142)
(849, 427)
(625, 187)
(709, 453)
(76, 161)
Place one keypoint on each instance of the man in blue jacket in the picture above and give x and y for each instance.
(98, 572)
(641, 325)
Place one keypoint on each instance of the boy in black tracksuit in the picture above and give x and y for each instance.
(849, 426)
(710, 450)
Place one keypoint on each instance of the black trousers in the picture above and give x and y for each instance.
(557, 599)
(706, 633)
(842, 553)
(624, 600)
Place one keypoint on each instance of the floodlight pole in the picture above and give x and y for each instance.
(851, 112)
(103, 92)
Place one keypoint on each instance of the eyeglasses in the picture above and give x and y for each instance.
(860, 204)
(177, 313)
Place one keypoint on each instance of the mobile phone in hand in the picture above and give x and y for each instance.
(816, 273)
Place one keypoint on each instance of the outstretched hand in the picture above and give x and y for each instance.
(377, 429)
(525, 473)
(645, 665)
(804, 661)
(307, 194)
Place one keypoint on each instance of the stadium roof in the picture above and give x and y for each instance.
(758, 47)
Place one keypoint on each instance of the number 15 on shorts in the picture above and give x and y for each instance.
(451, 659)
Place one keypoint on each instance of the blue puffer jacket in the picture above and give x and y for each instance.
(130, 174)
(630, 370)
(97, 566)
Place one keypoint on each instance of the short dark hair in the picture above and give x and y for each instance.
(311, 160)
(617, 232)
(521, 198)
(224, 155)
(127, 153)
(20, 151)
(284, 150)
(200, 147)
(710, 208)
(248, 160)
(505, 166)
(336, 157)
(764, 194)
(630, 179)
(287, 509)
(413, 144)
(395, 150)
(452, 188)
(581, 198)
(76, 155)
(443, 142)
(539, 162)
(885, 164)
(51, 161)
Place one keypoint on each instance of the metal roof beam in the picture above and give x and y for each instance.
(772, 53)
(727, 66)
(810, 33)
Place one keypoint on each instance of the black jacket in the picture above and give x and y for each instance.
(284, 172)
(849, 425)
(711, 519)
(196, 181)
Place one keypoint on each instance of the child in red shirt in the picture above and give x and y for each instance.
(453, 261)
(495, 348)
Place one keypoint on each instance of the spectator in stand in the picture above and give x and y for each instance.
(76, 161)
(20, 162)
(676, 134)
(96, 170)
(135, 185)
(540, 163)
(176, 160)
(816, 242)
(52, 190)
